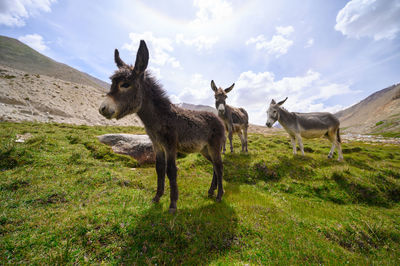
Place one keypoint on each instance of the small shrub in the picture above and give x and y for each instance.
(351, 150)
(8, 76)
(379, 123)
(264, 173)
(12, 156)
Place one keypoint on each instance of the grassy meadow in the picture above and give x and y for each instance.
(66, 198)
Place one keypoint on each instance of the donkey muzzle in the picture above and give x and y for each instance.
(106, 111)
(268, 124)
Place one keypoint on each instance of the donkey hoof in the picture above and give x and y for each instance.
(172, 210)
(156, 198)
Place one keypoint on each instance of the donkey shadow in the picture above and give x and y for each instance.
(192, 236)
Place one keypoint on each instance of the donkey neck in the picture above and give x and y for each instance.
(155, 104)
(285, 117)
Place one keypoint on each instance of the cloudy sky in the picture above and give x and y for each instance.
(323, 55)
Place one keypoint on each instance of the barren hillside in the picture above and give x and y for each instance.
(379, 112)
(34, 97)
(17, 55)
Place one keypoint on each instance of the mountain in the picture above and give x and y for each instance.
(379, 112)
(34, 87)
(197, 107)
(18, 55)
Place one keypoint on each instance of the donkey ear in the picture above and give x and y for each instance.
(118, 60)
(213, 87)
(142, 58)
(230, 88)
(282, 102)
(273, 101)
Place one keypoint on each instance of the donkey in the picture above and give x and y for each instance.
(236, 119)
(170, 128)
(307, 125)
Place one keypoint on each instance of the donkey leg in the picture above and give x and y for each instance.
(213, 186)
(300, 141)
(331, 135)
(218, 170)
(172, 173)
(293, 141)
(330, 155)
(223, 151)
(241, 139)
(160, 169)
(245, 137)
(339, 145)
(339, 148)
(230, 138)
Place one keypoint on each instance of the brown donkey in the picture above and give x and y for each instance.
(236, 119)
(170, 128)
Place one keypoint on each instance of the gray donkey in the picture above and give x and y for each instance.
(235, 119)
(170, 128)
(307, 125)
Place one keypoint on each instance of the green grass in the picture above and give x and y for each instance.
(65, 198)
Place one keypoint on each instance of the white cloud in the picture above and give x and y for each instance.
(369, 18)
(15, 12)
(306, 93)
(200, 42)
(160, 48)
(35, 41)
(285, 31)
(278, 45)
(310, 43)
(197, 91)
(211, 10)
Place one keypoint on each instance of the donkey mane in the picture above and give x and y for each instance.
(156, 92)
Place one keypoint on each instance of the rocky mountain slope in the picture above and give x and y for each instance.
(198, 107)
(34, 87)
(34, 97)
(379, 112)
(17, 55)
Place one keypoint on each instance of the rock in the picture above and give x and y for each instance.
(139, 147)
(21, 138)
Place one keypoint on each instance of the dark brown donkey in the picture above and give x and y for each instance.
(236, 119)
(169, 127)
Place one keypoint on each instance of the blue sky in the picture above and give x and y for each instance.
(323, 55)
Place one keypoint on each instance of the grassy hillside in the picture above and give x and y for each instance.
(18, 55)
(66, 198)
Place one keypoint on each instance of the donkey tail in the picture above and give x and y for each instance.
(338, 136)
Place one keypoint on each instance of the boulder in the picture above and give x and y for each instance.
(139, 147)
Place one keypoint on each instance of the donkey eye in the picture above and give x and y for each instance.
(125, 85)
